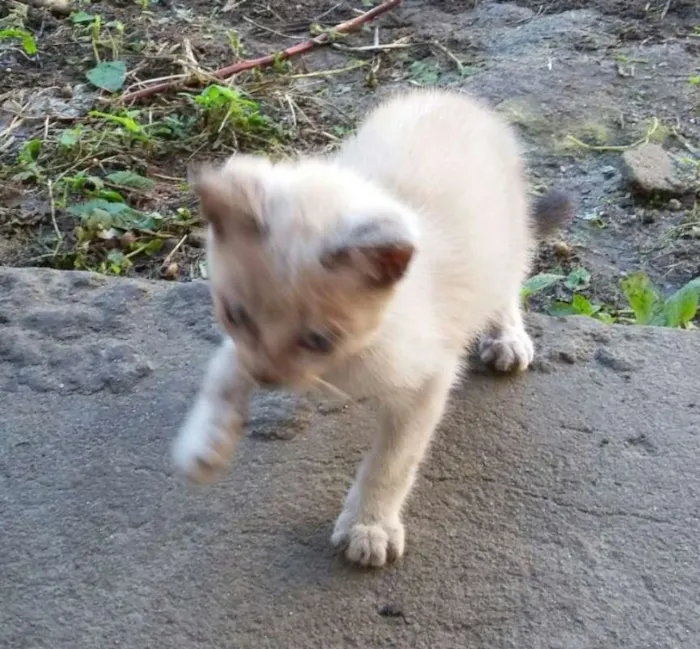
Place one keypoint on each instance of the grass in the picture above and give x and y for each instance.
(99, 171)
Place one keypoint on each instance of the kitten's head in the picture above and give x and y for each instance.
(304, 258)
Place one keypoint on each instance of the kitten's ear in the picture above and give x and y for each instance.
(231, 197)
(378, 251)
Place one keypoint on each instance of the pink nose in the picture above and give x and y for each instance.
(266, 379)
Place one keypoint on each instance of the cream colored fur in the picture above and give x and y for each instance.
(445, 174)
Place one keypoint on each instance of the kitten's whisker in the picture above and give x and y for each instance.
(331, 388)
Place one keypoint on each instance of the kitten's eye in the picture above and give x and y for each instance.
(237, 316)
(314, 341)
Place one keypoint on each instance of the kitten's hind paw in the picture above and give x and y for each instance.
(371, 544)
(507, 350)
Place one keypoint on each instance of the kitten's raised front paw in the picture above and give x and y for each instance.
(205, 445)
(369, 544)
(507, 350)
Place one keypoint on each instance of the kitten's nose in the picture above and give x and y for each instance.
(266, 379)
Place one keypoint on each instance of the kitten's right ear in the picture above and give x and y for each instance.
(231, 199)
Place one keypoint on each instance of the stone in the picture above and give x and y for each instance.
(556, 508)
(675, 205)
(608, 171)
(649, 171)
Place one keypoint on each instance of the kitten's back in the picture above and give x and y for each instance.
(457, 164)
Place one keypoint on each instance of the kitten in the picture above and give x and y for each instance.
(371, 271)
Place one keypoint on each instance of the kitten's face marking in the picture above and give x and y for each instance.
(298, 280)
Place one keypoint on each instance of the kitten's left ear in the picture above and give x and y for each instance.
(379, 251)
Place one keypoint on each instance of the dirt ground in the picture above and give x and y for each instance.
(610, 73)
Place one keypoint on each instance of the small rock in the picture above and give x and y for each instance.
(568, 356)
(649, 170)
(127, 240)
(58, 7)
(608, 171)
(601, 337)
(674, 205)
(391, 610)
(562, 248)
(647, 217)
(171, 271)
(614, 361)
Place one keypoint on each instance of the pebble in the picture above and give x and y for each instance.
(649, 170)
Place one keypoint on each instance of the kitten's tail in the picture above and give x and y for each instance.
(551, 211)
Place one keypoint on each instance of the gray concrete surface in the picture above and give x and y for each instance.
(556, 511)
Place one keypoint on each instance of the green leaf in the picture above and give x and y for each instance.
(582, 305)
(28, 42)
(108, 75)
(604, 317)
(111, 195)
(577, 279)
(562, 309)
(118, 261)
(69, 138)
(538, 283)
(128, 122)
(642, 297)
(426, 73)
(106, 214)
(30, 151)
(130, 179)
(682, 306)
(79, 17)
(152, 247)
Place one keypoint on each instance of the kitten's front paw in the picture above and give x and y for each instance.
(369, 544)
(205, 445)
(507, 350)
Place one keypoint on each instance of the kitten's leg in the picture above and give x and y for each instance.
(207, 440)
(507, 346)
(370, 528)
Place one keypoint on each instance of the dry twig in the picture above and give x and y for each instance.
(265, 61)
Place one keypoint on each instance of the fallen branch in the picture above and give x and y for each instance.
(265, 61)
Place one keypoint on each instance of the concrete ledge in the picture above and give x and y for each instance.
(559, 510)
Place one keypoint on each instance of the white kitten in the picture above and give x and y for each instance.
(371, 271)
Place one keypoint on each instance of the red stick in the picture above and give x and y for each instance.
(265, 61)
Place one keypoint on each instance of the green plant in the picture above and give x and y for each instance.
(581, 305)
(25, 37)
(538, 283)
(28, 161)
(223, 105)
(651, 308)
(577, 280)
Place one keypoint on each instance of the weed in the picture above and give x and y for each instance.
(225, 108)
(25, 37)
(651, 308)
(645, 301)
(577, 304)
(424, 72)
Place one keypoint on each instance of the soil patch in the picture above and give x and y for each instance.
(90, 182)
